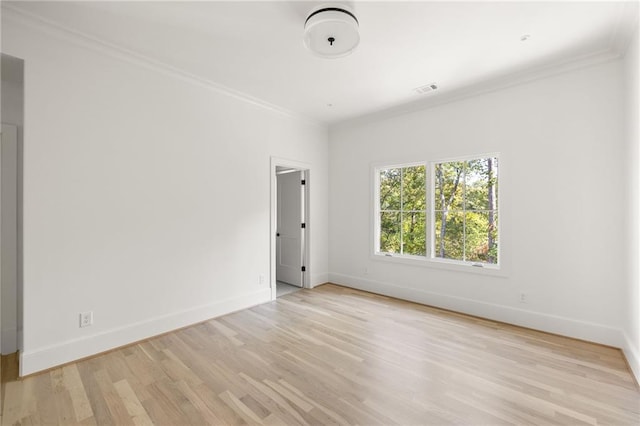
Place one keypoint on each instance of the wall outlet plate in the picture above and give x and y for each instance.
(86, 319)
(523, 297)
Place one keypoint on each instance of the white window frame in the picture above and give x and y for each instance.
(376, 196)
(430, 260)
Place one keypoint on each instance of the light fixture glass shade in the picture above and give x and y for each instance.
(331, 32)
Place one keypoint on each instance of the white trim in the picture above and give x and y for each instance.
(431, 189)
(622, 34)
(307, 168)
(32, 361)
(633, 356)
(555, 324)
(375, 247)
(466, 157)
(96, 44)
(429, 260)
(444, 264)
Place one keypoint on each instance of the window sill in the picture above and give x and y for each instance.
(489, 270)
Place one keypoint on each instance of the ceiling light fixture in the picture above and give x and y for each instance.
(331, 31)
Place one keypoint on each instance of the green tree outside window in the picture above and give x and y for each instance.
(466, 210)
(462, 222)
(402, 210)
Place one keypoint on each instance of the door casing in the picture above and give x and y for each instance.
(302, 166)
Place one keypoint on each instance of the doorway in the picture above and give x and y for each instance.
(290, 225)
(11, 159)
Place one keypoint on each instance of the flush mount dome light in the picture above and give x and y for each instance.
(331, 31)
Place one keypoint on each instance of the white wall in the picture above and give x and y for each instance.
(146, 196)
(630, 72)
(562, 199)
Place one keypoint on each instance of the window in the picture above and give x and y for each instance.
(465, 214)
(401, 212)
(453, 219)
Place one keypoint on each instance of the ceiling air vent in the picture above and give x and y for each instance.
(426, 89)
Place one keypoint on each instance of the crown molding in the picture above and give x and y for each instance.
(18, 15)
(622, 33)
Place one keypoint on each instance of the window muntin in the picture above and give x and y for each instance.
(453, 220)
(401, 210)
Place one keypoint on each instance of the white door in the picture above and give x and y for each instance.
(290, 231)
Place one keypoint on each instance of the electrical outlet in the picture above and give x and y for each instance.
(523, 297)
(261, 279)
(86, 319)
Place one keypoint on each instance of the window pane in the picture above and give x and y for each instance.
(449, 181)
(476, 185)
(414, 233)
(449, 235)
(390, 189)
(481, 178)
(481, 237)
(413, 188)
(390, 232)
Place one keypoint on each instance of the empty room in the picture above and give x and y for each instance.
(301, 212)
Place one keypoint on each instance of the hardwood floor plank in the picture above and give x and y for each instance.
(162, 409)
(46, 409)
(117, 410)
(132, 403)
(197, 401)
(20, 401)
(294, 397)
(94, 394)
(273, 400)
(218, 406)
(240, 408)
(64, 404)
(73, 383)
(334, 355)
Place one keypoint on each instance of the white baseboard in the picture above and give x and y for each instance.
(632, 354)
(9, 343)
(583, 330)
(32, 361)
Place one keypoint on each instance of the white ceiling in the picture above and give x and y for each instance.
(255, 48)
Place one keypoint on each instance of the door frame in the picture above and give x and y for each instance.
(302, 166)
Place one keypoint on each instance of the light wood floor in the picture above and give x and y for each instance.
(282, 289)
(337, 356)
